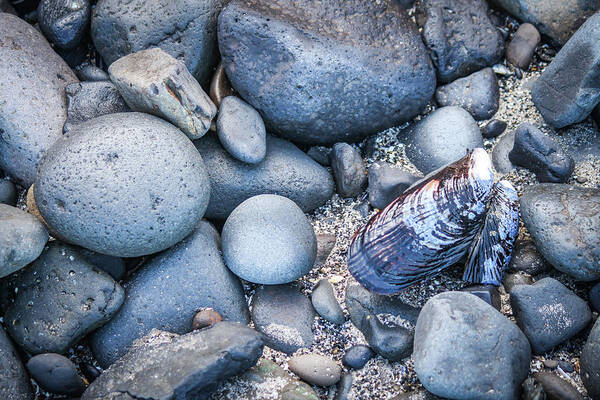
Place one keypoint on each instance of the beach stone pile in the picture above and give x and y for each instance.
(167, 167)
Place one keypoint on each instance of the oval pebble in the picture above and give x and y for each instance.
(56, 374)
(316, 369)
(357, 356)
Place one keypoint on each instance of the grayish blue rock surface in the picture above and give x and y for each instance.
(590, 362)
(64, 22)
(14, 382)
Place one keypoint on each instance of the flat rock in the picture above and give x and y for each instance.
(167, 292)
(502, 148)
(349, 171)
(477, 93)
(325, 304)
(564, 222)
(153, 82)
(590, 362)
(14, 382)
(33, 107)
(326, 72)
(285, 316)
(196, 362)
(184, 29)
(285, 170)
(325, 244)
(22, 239)
(64, 22)
(55, 373)
(122, 191)
(569, 88)
(316, 369)
(526, 258)
(57, 300)
(522, 46)
(456, 334)
(387, 182)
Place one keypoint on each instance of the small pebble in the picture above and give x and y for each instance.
(493, 129)
(91, 73)
(206, 318)
(325, 303)
(386, 183)
(320, 154)
(357, 356)
(526, 258)
(556, 388)
(392, 342)
(64, 22)
(487, 293)
(90, 372)
(566, 366)
(520, 49)
(551, 364)
(56, 374)
(348, 170)
(316, 369)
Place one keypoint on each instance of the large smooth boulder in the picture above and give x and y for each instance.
(33, 107)
(126, 184)
(326, 72)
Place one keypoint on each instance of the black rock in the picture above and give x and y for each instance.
(540, 154)
(566, 366)
(349, 171)
(487, 293)
(512, 280)
(526, 258)
(556, 388)
(520, 49)
(14, 382)
(76, 56)
(477, 93)
(56, 374)
(548, 313)
(569, 88)
(91, 73)
(6, 7)
(386, 183)
(90, 371)
(284, 315)
(590, 362)
(391, 342)
(8, 192)
(69, 294)
(595, 297)
(320, 154)
(325, 304)
(357, 356)
(500, 153)
(326, 72)
(460, 36)
(166, 366)
(168, 290)
(64, 22)
(493, 129)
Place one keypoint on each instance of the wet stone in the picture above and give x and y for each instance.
(556, 388)
(526, 258)
(391, 342)
(220, 87)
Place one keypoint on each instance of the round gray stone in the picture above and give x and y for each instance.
(126, 184)
(56, 374)
(316, 369)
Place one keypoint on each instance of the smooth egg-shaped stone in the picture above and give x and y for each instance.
(126, 184)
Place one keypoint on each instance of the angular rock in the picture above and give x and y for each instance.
(241, 130)
(357, 356)
(167, 292)
(14, 382)
(326, 72)
(316, 369)
(153, 82)
(57, 300)
(33, 108)
(123, 192)
(526, 258)
(548, 313)
(477, 93)
(64, 22)
(500, 153)
(325, 304)
(441, 138)
(196, 363)
(285, 316)
(539, 153)
(285, 171)
(348, 170)
(590, 362)
(522, 46)
(458, 333)
(386, 183)
(184, 29)
(564, 222)
(8, 192)
(569, 88)
(56, 374)
(460, 36)
(493, 129)
(556, 388)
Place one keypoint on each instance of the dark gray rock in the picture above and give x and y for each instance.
(540, 154)
(268, 240)
(349, 171)
(114, 266)
(325, 304)
(184, 29)
(153, 82)
(57, 300)
(320, 154)
(357, 356)
(487, 293)
(548, 313)
(566, 366)
(56, 374)
(91, 73)
(87, 100)
(457, 334)
(316, 369)
(285, 170)
(556, 388)
(22, 239)
(520, 278)
(14, 382)
(595, 297)
(64, 22)
(167, 292)
(520, 49)
(460, 36)
(526, 258)
(8, 192)
(122, 191)
(6, 7)
(564, 222)
(241, 130)
(195, 362)
(500, 153)
(326, 72)
(441, 138)
(285, 316)
(344, 387)
(569, 88)
(590, 362)
(493, 129)
(391, 342)
(532, 390)
(33, 108)
(557, 19)
(386, 183)
(477, 93)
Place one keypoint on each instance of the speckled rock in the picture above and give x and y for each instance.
(526, 258)
(502, 148)
(457, 333)
(153, 82)
(590, 362)
(316, 369)
(285, 170)
(167, 292)
(64, 22)
(70, 296)
(564, 222)
(126, 155)
(386, 183)
(22, 239)
(460, 36)
(326, 72)
(284, 315)
(520, 49)
(184, 29)
(196, 363)
(441, 138)
(477, 93)
(8, 192)
(548, 313)
(349, 171)
(357, 356)
(33, 108)
(55, 373)
(325, 304)
(556, 388)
